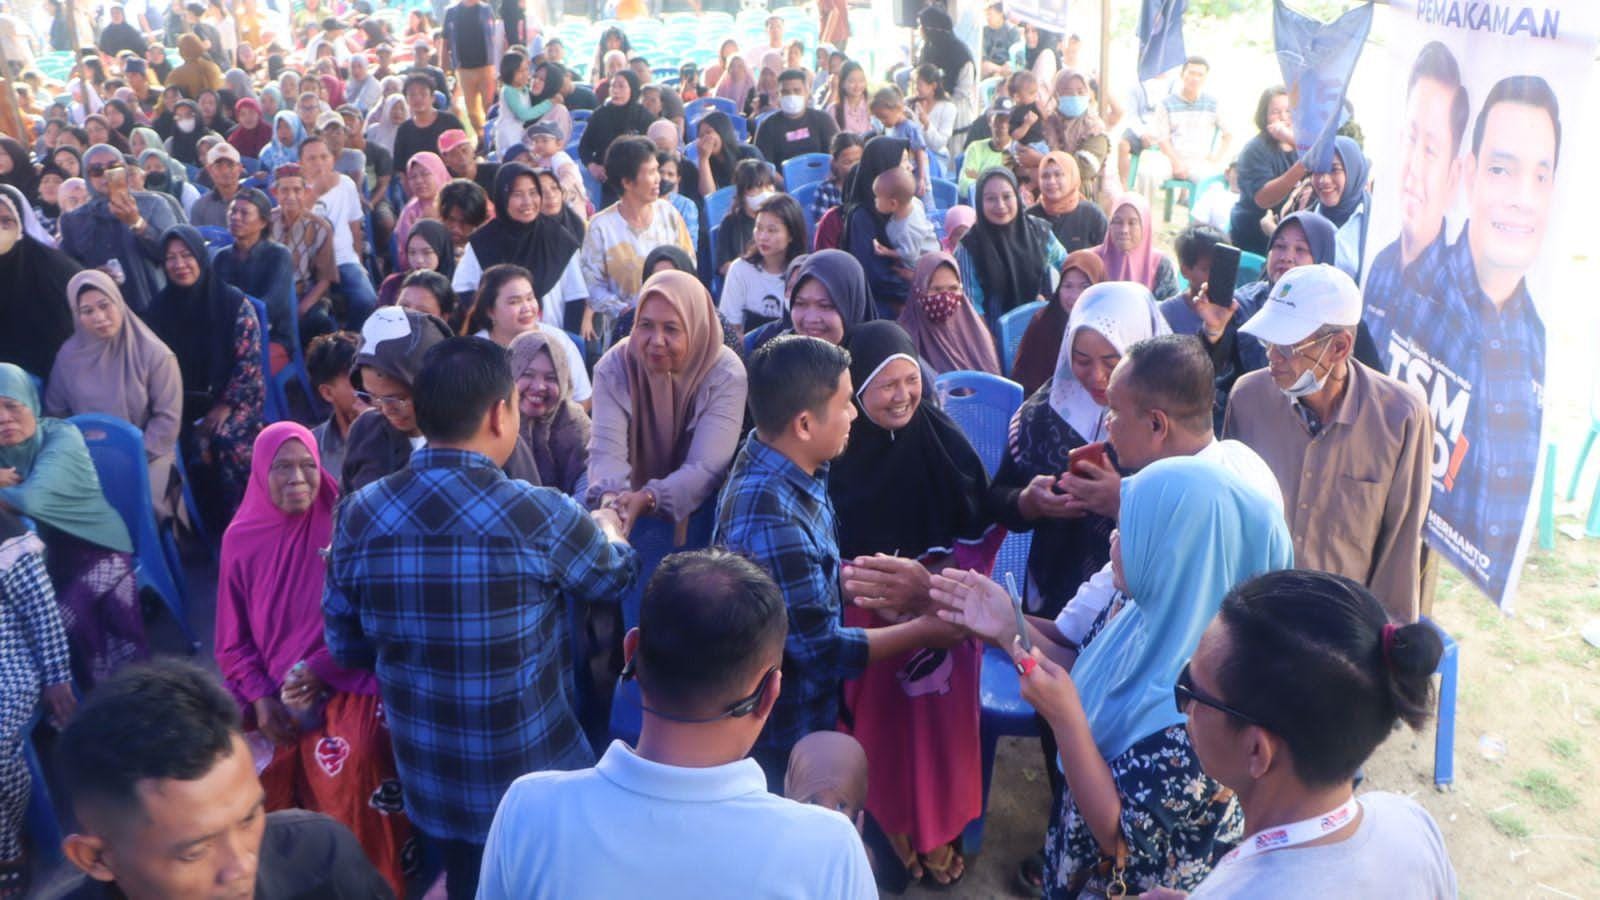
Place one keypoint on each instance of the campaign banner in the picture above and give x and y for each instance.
(1049, 15)
(1317, 59)
(1161, 37)
(1477, 186)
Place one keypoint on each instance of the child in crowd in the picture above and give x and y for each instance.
(910, 233)
(889, 108)
(544, 139)
(755, 293)
(328, 362)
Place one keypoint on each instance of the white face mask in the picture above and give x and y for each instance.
(754, 202)
(1308, 383)
(186, 125)
(791, 104)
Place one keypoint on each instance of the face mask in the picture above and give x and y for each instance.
(791, 104)
(186, 125)
(8, 239)
(1073, 106)
(940, 305)
(668, 187)
(156, 181)
(1308, 383)
(754, 202)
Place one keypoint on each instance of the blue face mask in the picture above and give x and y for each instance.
(1073, 105)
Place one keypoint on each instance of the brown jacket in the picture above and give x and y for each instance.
(1356, 495)
(198, 73)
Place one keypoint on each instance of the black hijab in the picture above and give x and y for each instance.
(129, 120)
(438, 238)
(1008, 260)
(197, 321)
(880, 154)
(543, 246)
(1047, 42)
(911, 492)
(23, 176)
(186, 147)
(941, 48)
(672, 253)
(845, 280)
(611, 121)
(554, 75)
(35, 317)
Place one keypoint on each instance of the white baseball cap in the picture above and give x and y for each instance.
(1305, 299)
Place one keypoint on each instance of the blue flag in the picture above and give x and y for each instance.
(1316, 59)
(1160, 37)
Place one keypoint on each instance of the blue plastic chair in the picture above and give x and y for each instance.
(591, 186)
(944, 193)
(742, 129)
(273, 408)
(1003, 714)
(195, 521)
(216, 236)
(756, 125)
(695, 110)
(250, 164)
(982, 405)
(580, 115)
(716, 263)
(807, 168)
(718, 202)
(1012, 326)
(1444, 735)
(1250, 266)
(117, 449)
(42, 824)
(805, 194)
(1196, 188)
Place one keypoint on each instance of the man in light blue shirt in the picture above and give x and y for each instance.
(685, 813)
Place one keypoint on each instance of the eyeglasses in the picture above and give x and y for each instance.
(1184, 693)
(397, 404)
(736, 710)
(1289, 351)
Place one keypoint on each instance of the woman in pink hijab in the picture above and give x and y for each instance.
(426, 175)
(1129, 250)
(320, 723)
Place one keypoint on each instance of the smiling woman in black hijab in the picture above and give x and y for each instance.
(517, 234)
(910, 484)
(621, 115)
(863, 224)
(1007, 257)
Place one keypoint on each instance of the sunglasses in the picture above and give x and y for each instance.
(736, 710)
(1184, 693)
(97, 170)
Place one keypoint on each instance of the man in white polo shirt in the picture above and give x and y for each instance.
(685, 814)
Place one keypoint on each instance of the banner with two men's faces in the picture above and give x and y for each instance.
(1478, 186)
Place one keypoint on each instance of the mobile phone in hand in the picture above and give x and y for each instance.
(1089, 453)
(1224, 272)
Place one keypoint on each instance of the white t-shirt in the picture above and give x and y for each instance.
(751, 288)
(341, 205)
(630, 826)
(1396, 851)
(552, 306)
(1096, 594)
(582, 388)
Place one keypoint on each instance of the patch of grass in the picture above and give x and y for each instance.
(1510, 824)
(1547, 790)
(1565, 749)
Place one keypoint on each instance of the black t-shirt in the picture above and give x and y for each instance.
(471, 45)
(303, 854)
(485, 176)
(780, 137)
(1080, 229)
(411, 139)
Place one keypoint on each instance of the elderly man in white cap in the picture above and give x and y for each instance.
(1352, 448)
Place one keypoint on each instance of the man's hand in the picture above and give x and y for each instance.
(1093, 489)
(611, 524)
(272, 719)
(975, 603)
(122, 205)
(1039, 501)
(888, 584)
(61, 703)
(9, 477)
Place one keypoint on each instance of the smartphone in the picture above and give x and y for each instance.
(117, 179)
(1016, 609)
(1089, 453)
(1224, 272)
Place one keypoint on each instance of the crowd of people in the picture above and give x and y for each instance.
(523, 391)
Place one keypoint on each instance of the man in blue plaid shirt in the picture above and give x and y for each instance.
(775, 509)
(450, 581)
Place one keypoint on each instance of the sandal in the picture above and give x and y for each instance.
(909, 860)
(1029, 878)
(945, 868)
(14, 878)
